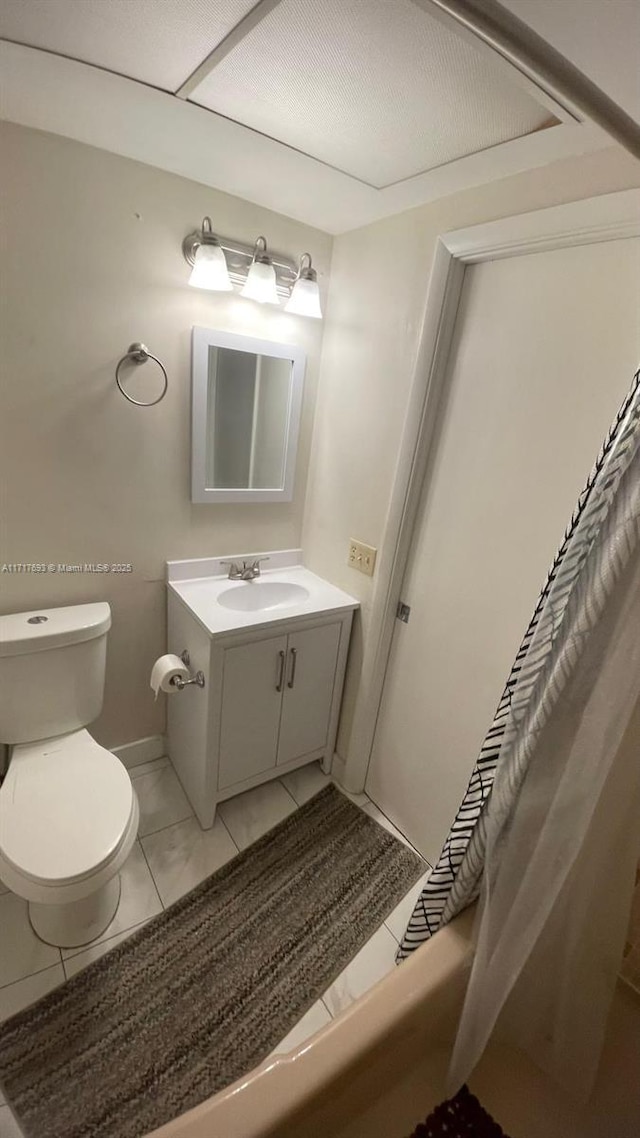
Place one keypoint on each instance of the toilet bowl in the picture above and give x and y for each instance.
(68, 811)
(66, 827)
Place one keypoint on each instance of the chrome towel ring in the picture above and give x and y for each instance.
(139, 354)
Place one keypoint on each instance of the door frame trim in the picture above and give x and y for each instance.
(609, 217)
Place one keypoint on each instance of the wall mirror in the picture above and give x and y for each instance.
(246, 402)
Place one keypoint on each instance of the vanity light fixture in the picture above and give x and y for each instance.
(305, 294)
(260, 284)
(221, 265)
(209, 262)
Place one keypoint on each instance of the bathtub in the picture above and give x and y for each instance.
(380, 1067)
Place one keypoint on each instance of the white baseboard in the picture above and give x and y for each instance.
(141, 750)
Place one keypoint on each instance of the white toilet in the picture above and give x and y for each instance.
(68, 811)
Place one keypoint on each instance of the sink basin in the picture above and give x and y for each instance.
(284, 593)
(256, 596)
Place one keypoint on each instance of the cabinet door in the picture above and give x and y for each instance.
(251, 705)
(308, 693)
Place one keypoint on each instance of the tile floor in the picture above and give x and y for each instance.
(171, 856)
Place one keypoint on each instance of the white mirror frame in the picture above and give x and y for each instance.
(202, 340)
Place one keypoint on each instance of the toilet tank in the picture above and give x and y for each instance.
(52, 665)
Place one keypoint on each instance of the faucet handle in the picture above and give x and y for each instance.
(254, 567)
(234, 568)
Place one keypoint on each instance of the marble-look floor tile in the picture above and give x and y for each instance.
(21, 951)
(17, 996)
(8, 1126)
(149, 767)
(374, 961)
(311, 1021)
(161, 797)
(398, 920)
(181, 856)
(248, 816)
(374, 812)
(73, 964)
(306, 781)
(139, 900)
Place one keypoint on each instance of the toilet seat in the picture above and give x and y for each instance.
(67, 809)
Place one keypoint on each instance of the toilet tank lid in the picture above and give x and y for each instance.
(23, 632)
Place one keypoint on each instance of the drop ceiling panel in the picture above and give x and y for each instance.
(156, 41)
(378, 90)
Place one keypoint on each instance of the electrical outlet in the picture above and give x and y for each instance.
(362, 557)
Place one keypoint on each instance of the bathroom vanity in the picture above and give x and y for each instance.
(273, 652)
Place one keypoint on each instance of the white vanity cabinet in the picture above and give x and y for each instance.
(270, 703)
(276, 701)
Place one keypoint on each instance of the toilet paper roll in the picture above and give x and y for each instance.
(163, 671)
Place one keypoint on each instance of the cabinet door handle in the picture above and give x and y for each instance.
(281, 655)
(292, 677)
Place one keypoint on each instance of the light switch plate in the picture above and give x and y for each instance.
(362, 557)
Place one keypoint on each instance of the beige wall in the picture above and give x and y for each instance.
(379, 277)
(91, 261)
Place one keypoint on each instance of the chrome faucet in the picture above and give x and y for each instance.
(248, 571)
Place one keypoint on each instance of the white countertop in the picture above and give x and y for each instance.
(200, 595)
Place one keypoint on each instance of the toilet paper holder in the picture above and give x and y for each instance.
(179, 683)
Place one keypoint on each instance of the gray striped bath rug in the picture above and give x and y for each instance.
(207, 989)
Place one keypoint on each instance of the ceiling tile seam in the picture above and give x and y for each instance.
(288, 146)
(464, 157)
(362, 181)
(242, 29)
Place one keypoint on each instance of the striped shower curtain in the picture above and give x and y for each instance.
(511, 740)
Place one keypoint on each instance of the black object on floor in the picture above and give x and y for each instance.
(459, 1117)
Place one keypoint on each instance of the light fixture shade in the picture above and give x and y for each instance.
(210, 269)
(305, 299)
(260, 284)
